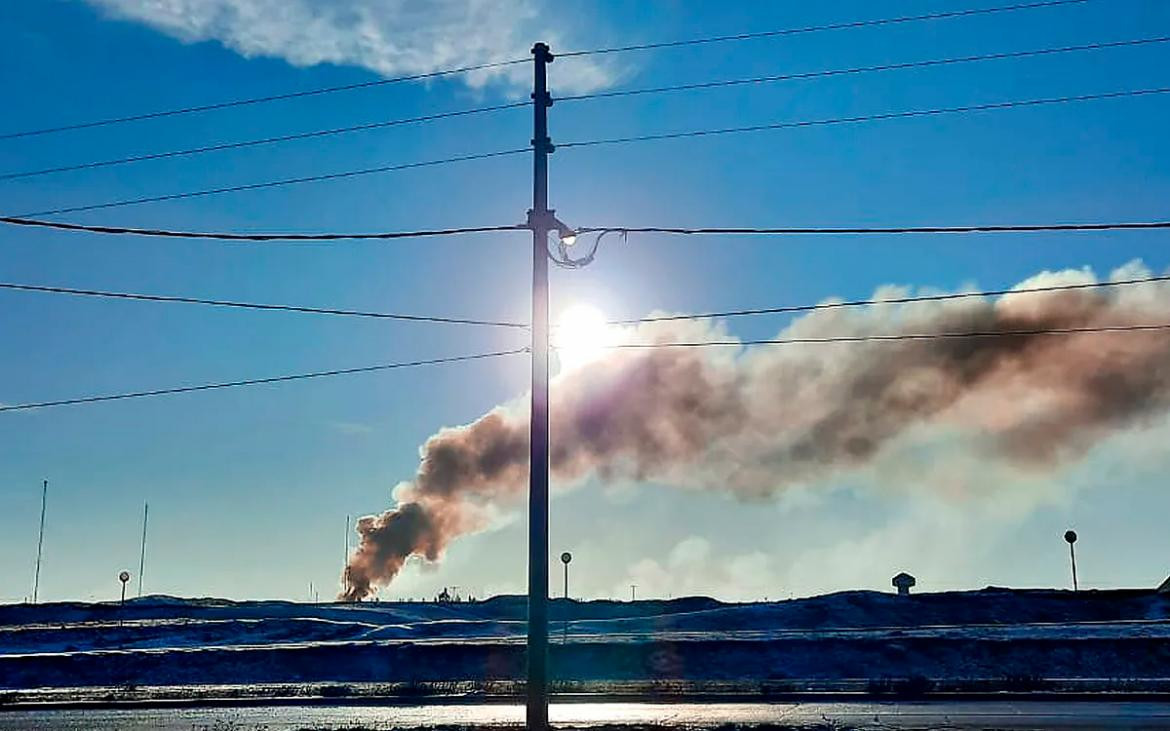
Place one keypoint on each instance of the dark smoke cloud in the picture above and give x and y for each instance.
(755, 422)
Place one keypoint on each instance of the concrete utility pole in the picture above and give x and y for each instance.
(40, 541)
(539, 220)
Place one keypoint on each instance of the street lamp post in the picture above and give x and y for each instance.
(1070, 537)
(566, 557)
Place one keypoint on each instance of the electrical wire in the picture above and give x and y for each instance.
(879, 230)
(938, 111)
(601, 230)
(258, 237)
(892, 301)
(867, 69)
(826, 27)
(633, 321)
(259, 381)
(254, 305)
(501, 64)
(578, 97)
(899, 336)
(276, 183)
(262, 141)
(261, 99)
(613, 141)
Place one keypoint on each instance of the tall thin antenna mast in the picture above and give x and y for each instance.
(40, 541)
(142, 558)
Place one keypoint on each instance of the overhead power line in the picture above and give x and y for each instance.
(846, 25)
(277, 183)
(328, 132)
(892, 301)
(259, 237)
(937, 111)
(900, 336)
(867, 69)
(422, 233)
(611, 141)
(194, 109)
(262, 141)
(248, 101)
(884, 230)
(254, 305)
(259, 381)
(260, 99)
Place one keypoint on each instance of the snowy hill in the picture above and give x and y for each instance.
(987, 634)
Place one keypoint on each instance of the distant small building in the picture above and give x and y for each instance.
(1165, 587)
(902, 582)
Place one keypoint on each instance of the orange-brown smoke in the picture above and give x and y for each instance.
(753, 422)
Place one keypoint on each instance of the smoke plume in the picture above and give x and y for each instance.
(754, 421)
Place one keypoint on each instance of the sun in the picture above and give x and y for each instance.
(581, 336)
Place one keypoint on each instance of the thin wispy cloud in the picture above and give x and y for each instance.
(351, 428)
(388, 37)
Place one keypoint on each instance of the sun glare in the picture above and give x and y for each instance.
(581, 336)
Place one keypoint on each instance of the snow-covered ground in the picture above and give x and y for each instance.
(1020, 637)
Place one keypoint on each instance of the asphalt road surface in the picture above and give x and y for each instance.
(838, 715)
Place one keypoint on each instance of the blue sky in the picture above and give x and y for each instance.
(249, 488)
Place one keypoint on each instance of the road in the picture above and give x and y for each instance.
(837, 715)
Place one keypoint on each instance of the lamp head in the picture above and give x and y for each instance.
(567, 235)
